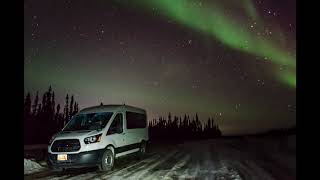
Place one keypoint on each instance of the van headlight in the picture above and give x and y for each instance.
(92, 139)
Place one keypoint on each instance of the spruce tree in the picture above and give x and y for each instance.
(71, 109)
(27, 106)
(35, 104)
(66, 110)
(53, 103)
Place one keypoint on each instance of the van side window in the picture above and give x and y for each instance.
(136, 120)
(116, 125)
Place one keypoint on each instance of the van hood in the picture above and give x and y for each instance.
(76, 134)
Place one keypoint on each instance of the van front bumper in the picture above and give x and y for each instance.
(82, 159)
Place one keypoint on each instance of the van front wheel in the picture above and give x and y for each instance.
(107, 161)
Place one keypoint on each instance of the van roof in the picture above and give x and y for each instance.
(111, 107)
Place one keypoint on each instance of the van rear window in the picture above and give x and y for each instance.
(136, 120)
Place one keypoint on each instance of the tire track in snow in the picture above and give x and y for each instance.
(82, 176)
(192, 171)
(180, 168)
(250, 170)
(179, 165)
(210, 163)
(201, 164)
(133, 167)
(71, 175)
(38, 175)
(240, 157)
(258, 164)
(143, 171)
(162, 169)
(55, 177)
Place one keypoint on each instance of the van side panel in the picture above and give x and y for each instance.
(137, 135)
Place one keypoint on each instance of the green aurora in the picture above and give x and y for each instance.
(211, 18)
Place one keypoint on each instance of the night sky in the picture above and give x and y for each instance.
(231, 60)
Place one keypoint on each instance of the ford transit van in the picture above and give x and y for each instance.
(97, 136)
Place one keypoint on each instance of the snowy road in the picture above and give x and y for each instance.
(214, 159)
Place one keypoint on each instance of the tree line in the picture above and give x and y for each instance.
(43, 117)
(177, 128)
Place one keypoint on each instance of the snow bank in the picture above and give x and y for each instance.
(31, 166)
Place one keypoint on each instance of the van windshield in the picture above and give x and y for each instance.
(90, 121)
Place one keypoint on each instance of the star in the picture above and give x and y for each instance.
(132, 60)
(155, 83)
(194, 86)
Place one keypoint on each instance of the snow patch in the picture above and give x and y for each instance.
(31, 167)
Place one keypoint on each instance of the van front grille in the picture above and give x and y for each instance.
(65, 145)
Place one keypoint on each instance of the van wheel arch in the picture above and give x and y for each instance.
(143, 141)
(112, 148)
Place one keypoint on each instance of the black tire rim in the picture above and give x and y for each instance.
(143, 148)
(108, 160)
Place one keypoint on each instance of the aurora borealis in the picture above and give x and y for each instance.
(234, 61)
(211, 19)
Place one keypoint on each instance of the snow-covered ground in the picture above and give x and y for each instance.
(31, 166)
(220, 159)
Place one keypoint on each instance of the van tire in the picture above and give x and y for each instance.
(143, 149)
(107, 161)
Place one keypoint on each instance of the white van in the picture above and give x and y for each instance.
(97, 135)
